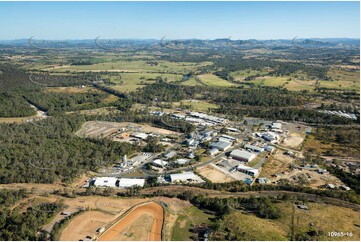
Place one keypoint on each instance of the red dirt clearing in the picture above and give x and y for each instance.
(137, 214)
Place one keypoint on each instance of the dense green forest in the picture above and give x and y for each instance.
(16, 225)
(14, 106)
(53, 102)
(52, 152)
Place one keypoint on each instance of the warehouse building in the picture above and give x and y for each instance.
(105, 182)
(242, 155)
(248, 170)
(213, 151)
(188, 177)
(142, 136)
(221, 145)
(130, 182)
(254, 148)
(115, 182)
(159, 163)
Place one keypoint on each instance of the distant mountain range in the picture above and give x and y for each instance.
(309, 42)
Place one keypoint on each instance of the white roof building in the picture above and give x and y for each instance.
(170, 154)
(242, 155)
(270, 136)
(142, 136)
(105, 182)
(248, 170)
(182, 161)
(160, 163)
(185, 177)
(276, 126)
(130, 182)
(221, 145)
(254, 148)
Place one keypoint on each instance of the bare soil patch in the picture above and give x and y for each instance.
(214, 175)
(144, 222)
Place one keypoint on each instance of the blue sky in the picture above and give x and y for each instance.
(179, 20)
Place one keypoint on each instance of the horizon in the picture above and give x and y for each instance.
(179, 20)
(181, 39)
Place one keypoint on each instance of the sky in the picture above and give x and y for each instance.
(179, 20)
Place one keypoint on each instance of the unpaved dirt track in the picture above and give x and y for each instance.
(119, 230)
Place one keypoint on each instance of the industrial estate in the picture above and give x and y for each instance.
(179, 140)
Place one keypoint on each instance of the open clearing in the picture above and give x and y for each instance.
(277, 163)
(213, 80)
(293, 140)
(325, 218)
(104, 129)
(84, 225)
(214, 175)
(143, 222)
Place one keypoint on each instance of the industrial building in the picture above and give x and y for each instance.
(213, 151)
(170, 155)
(254, 148)
(142, 136)
(221, 145)
(276, 126)
(105, 182)
(159, 163)
(270, 136)
(131, 182)
(248, 170)
(242, 155)
(115, 182)
(185, 177)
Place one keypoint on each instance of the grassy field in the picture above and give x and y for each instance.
(190, 216)
(249, 227)
(213, 80)
(192, 82)
(135, 66)
(242, 74)
(271, 81)
(201, 106)
(127, 82)
(345, 80)
(325, 218)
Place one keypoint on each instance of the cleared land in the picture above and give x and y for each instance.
(213, 80)
(325, 218)
(214, 175)
(144, 222)
(84, 225)
(293, 140)
(104, 129)
(196, 105)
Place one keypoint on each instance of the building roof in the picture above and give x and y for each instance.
(160, 162)
(253, 147)
(228, 137)
(221, 145)
(276, 125)
(139, 135)
(247, 168)
(182, 161)
(243, 154)
(185, 176)
(105, 181)
(129, 182)
(170, 154)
